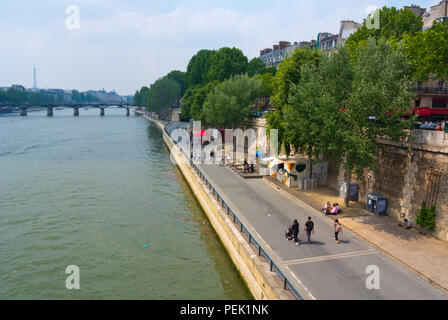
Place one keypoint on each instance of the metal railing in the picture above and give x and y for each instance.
(287, 284)
(431, 89)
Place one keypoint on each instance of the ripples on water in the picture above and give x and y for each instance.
(92, 191)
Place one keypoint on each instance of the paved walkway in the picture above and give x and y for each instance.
(322, 269)
(425, 255)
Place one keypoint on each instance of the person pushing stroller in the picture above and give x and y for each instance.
(293, 232)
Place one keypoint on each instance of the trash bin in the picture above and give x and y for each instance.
(376, 203)
(354, 191)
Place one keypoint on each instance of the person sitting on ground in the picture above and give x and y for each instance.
(338, 210)
(327, 208)
(246, 166)
(438, 127)
(334, 210)
(406, 224)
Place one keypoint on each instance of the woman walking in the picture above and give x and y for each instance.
(337, 228)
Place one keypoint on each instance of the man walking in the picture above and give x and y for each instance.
(337, 228)
(309, 228)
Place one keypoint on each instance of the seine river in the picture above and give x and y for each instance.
(100, 193)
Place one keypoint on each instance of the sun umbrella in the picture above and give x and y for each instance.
(201, 133)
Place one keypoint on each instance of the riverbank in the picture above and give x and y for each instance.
(255, 271)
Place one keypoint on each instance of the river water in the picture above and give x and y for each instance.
(92, 192)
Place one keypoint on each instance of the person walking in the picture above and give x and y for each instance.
(309, 228)
(337, 228)
(295, 232)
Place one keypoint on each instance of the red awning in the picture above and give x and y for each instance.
(427, 112)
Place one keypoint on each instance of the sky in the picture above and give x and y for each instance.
(124, 45)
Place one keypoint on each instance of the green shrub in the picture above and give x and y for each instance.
(426, 217)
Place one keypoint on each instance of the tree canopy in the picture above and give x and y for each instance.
(340, 109)
(141, 96)
(163, 94)
(230, 102)
(198, 67)
(180, 78)
(427, 51)
(257, 67)
(226, 62)
(14, 96)
(288, 75)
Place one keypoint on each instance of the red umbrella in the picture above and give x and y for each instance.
(202, 133)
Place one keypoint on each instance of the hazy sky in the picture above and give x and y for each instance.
(123, 45)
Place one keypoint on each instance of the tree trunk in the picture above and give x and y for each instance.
(347, 194)
(311, 166)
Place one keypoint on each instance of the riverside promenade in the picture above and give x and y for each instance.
(321, 269)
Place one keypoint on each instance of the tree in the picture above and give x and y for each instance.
(427, 52)
(141, 97)
(313, 118)
(288, 75)
(180, 78)
(267, 82)
(381, 89)
(198, 100)
(394, 26)
(163, 94)
(257, 67)
(198, 68)
(226, 62)
(230, 102)
(187, 101)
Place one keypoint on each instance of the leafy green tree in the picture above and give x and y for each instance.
(267, 82)
(314, 121)
(394, 25)
(257, 67)
(198, 68)
(427, 52)
(187, 101)
(200, 95)
(230, 102)
(163, 94)
(288, 75)
(226, 62)
(180, 78)
(381, 89)
(141, 96)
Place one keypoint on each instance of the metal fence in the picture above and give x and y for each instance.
(287, 284)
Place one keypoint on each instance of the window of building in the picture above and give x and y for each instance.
(417, 103)
(440, 103)
(440, 86)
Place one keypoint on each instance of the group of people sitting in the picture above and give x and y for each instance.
(333, 210)
(249, 168)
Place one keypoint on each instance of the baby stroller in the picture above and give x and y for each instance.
(289, 234)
